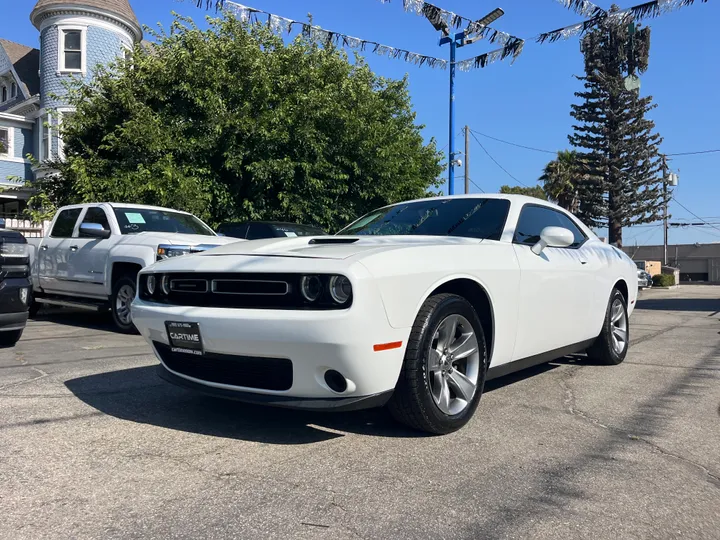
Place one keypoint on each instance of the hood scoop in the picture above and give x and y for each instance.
(333, 241)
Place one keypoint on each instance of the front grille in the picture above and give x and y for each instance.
(247, 371)
(236, 290)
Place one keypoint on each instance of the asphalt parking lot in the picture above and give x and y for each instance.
(94, 445)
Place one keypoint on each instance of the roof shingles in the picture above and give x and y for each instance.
(26, 62)
(119, 7)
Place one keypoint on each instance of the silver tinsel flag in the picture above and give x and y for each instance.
(637, 13)
(583, 7)
(282, 25)
(436, 14)
(512, 49)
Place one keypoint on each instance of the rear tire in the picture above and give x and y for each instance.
(123, 292)
(443, 374)
(9, 339)
(611, 346)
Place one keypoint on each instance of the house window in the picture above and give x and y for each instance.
(13, 91)
(4, 94)
(72, 49)
(64, 117)
(45, 138)
(4, 141)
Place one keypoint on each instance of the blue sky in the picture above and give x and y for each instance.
(527, 102)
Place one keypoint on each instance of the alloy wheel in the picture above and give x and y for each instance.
(618, 326)
(453, 365)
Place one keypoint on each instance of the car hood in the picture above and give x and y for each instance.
(177, 239)
(331, 247)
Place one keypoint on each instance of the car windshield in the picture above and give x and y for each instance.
(137, 220)
(468, 217)
(294, 229)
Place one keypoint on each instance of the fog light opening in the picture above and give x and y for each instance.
(335, 381)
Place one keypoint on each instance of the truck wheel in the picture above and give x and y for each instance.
(123, 293)
(34, 308)
(8, 339)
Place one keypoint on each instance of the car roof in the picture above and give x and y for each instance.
(265, 222)
(126, 205)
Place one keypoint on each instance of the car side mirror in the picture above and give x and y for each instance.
(553, 237)
(94, 230)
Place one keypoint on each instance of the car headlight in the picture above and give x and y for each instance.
(151, 284)
(311, 288)
(340, 289)
(165, 285)
(169, 251)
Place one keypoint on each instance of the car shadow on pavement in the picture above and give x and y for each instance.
(139, 395)
(78, 318)
(681, 304)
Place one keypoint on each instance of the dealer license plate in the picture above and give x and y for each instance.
(184, 337)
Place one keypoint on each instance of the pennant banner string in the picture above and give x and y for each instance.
(436, 15)
(511, 47)
(647, 10)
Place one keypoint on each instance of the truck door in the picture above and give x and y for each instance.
(88, 255)
(54, 252)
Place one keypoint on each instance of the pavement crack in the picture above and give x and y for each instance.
(570, 405)
(41, 375)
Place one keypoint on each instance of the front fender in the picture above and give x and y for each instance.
(143, 256)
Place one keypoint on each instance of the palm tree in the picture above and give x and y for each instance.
(562, 177)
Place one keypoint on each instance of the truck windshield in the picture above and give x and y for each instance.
(137, 220)
(468, 217)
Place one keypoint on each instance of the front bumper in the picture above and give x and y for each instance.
(336, 404)
(314, 341)
(13, 312)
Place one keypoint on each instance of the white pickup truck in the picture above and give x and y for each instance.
(92, 253)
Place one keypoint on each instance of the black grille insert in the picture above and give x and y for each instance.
(247, 371)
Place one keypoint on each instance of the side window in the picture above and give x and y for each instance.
(257, 231)
(65, 223)
(533, 219)
(96, 215)
(233, 231)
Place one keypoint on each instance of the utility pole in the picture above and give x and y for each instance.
(665, 213)
(669, 179)
(467, 160)
(459, 39)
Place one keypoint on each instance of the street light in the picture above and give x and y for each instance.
(456, 41)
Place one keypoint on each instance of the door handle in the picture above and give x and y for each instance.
(44, 248)
(73, 248)
(583, 262)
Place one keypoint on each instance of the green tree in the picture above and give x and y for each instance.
(565, 179)
(534, 191)
(233, 123)
(623, 152)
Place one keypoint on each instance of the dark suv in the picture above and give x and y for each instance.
(15, 288)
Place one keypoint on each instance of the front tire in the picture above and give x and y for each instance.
(9, 339)
(611, 346)
(443, 374)
(123, 293)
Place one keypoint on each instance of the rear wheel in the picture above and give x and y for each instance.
(444, 370)
(123, 293)
(8, 339)
(612, 344)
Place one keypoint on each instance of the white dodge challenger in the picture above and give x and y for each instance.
(413, 306)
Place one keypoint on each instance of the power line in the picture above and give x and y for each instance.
(694, 153)
(495, 161)
(514, 144)
(471, 181)
(554, 152)
(694, 214)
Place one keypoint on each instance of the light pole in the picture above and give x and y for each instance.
(460, 39)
